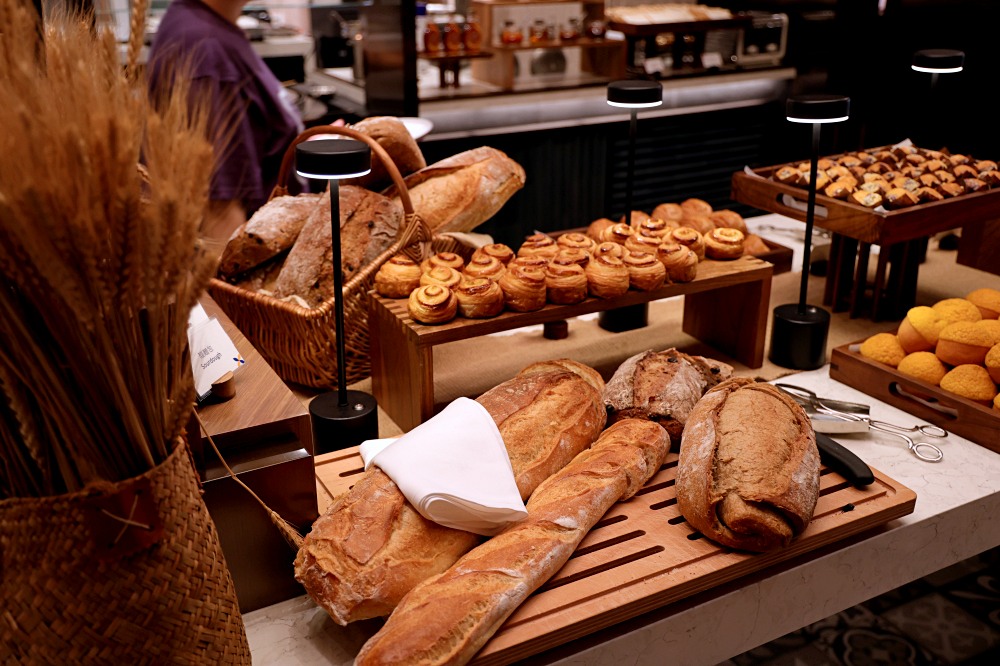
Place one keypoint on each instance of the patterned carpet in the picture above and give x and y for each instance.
(950, 618)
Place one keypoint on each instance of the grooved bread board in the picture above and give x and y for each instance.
(642, 555)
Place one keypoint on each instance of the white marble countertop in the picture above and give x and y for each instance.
(954, 518)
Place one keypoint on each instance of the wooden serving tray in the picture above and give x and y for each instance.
(642, 555)
(933, 404)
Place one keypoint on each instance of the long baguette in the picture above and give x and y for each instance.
(372, 547)
(448, 618)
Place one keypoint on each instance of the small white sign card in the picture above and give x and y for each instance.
(213, 353)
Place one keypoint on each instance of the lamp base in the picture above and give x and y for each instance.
(625, 318)
(337, 427)
(798, 337)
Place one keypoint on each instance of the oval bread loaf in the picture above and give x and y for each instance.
(748, 471)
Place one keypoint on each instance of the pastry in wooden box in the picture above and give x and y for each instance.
(689, 237)
(523, 287)
(541, 245)
(444, 276)
(270, 231)
(642, 243)
(573, 254)
(529, 261)
(575, 239)
(656, 227)
(397, 277)
(680, 261)
(565, 281)
(607, 276)
(645, 272)
(498, 250)
(610, 248)
(449, 259)
(479, 297)
(485, 266)
(432, 304)
(617, 233)
(724, 244)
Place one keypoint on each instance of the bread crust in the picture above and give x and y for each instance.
(271, 230)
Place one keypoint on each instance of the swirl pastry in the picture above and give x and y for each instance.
(655, 227)
(538, 245)
(498, 251)
(565, 283)
(690, 237)
(449, 259)
(397, 277)
(485, 266)
(607, 276)
(433, 304)
(573, 255)
(680, 261)
(617, 233)
(636, 218)
(724, 244)
(479, 297)
(523, 288)
(670, 212)
(577, 240)
(609, 248)
(640, 243)
(597, 227)
(531, 261)
(645, 272)
(728, 219)
(441, 275)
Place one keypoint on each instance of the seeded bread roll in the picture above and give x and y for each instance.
(748, 472)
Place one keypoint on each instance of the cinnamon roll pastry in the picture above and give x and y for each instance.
(523, 288)
(449, 259)
(636, 218)
(728, 219)
(498, 251)
(607, 276)
(690, 237)
(655, 227)
(441, 275)
(485, 266)
(565, 283)
(575, 239)
(479, 297)
(645, 272)
(724, 244)
(640, 243)
(433, 304)
(597, 227)
(680, 261)
(573, 255)
(609, 248)
(397, 277)
(669, 212)
(531, 261)
(695, 208)
(617, 233)
(541, 245)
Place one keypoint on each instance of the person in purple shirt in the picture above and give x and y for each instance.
(252, 123)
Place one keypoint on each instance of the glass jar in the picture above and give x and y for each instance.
(596, 29)
(511, 34)
(432, 38)
(452, 36)
(536, 33)
(472, 34)
(570, 31)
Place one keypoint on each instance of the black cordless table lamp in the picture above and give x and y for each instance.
(799, 331)
(631, 94)
(938, 61)
(342, 418)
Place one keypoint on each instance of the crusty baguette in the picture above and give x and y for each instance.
(448, 618)
(462, 191)
(391, 134)
(748, 472)
(371, 547)
(271, 230)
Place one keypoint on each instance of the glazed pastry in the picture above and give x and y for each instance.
(837, 172)
(565, 282)
(822, 180)
(433, 304)
(849, 161)
(441, 275)
(639, 243)
(910, 184)
(930, 166)
(964, 171)
(607, 276)
(680, 261)
(898, 197)
(724, 244)
(691, 238)
(636, 218)
(540, 245)
(867, 199)
(786, 174)
(449, 259)
(485, 266)
(865, 158)
(984, 165)
(885, 156)
(523, 288)
(397, 277)
(915, 158)
(881, 168)
(945, 176)
(839, 189)
(574, 255)
(973, 184)
(729, 219)
(872, 177)
(531, 261)
(671, 212)
(645, 272)
(576, 240)
(950, 189)
(479, 297)
(901, 151)
(609, 248)
(991, 178)
(597, 227)
(911, 171)
(929, 180)
(617, 233)
(656, 227)
(694, 207)
(928, 195)
(497, 250)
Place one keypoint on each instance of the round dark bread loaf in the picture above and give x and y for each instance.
(748, 472)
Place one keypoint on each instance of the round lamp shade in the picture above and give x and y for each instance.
(332, 158)
(938, 61)
(818, 108)
(635, 94)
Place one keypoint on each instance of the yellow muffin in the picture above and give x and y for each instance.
(996, 402)
(992, 328)
(957, 309)
(920, 329)
(972, 382)
(923, 365)
(884, 348)
(987, 300)
(963, 342)
(992, 362)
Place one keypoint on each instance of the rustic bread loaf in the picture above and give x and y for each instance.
(390, 133)
(269, 232)
(748, 473)
(448, 618)
(662, 386)
(371, 547)
(369, 223)
(462, 191)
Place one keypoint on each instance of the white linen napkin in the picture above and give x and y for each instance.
(453, 469)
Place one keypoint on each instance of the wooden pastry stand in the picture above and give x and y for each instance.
(725, 306)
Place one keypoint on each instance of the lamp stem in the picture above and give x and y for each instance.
(338, 291)
(631, 166)
(810, 216)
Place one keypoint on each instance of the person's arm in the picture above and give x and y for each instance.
(221, 220)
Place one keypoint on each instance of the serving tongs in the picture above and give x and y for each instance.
(819, 411)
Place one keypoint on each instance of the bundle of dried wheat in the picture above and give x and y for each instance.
(100, 260)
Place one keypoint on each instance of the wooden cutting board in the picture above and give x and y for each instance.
(642, 555)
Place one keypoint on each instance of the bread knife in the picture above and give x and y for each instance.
(843, 461)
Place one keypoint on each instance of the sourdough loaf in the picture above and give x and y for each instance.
(271, 230)
(662, 386)
(448, 618)
(748, 472)
(372, 547)
(390, 133)
(462, 191)
(369, 223)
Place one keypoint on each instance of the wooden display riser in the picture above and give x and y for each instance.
(642, 555)
(725, 306)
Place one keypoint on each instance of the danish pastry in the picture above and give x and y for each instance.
(433, 304)
(597, 227)
(617, 233)
(523, 288)
(531, 261)
(565, 282)
(680, 261)
(641, 243)
(607, 276)
(540, 245)
(689, 237)
(449, 259)
(485, 266)
(724, 244)
(610, 248)
(573, 255)
(576, 240)
(656, 227)
(645, 272)
(441, 275)
(501, 252)
(479, 297)
(397, 277)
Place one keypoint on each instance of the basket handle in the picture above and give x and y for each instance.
(281, 188)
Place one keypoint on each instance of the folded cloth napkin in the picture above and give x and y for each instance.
(453, 469)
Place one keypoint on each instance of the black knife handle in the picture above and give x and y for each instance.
(843, 461)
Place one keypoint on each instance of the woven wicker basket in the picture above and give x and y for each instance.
(127, 573)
